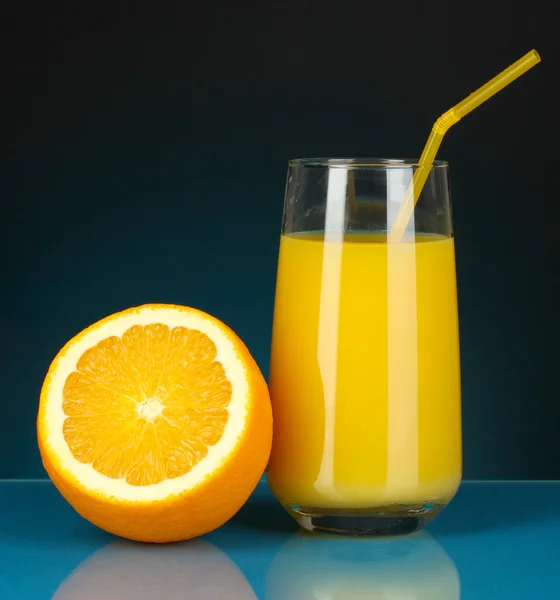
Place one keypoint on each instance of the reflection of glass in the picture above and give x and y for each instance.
(365, 353)
(126, 570)
(323, 567)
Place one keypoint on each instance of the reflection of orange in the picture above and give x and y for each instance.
(127, 571)
(147, 418)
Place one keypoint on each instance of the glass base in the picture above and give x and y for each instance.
(382, 520)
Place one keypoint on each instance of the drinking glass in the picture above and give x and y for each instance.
(365, 379)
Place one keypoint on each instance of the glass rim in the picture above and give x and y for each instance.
(363, 163)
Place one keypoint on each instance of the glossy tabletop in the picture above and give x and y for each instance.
(496, 540)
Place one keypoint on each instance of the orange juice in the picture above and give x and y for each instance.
(365, 379)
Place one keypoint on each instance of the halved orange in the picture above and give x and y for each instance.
(155, 423)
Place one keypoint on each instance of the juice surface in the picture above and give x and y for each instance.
(365, 379)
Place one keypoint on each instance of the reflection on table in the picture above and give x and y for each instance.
(320, 567)
(127, 570)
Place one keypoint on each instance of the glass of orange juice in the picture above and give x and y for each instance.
(365, 378)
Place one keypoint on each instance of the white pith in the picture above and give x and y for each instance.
(96, 482)
(149, 409)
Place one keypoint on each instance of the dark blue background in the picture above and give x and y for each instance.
(144, 158)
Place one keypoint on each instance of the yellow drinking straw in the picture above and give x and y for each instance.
(439, 130)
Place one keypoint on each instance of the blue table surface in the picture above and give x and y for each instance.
(495, 540)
